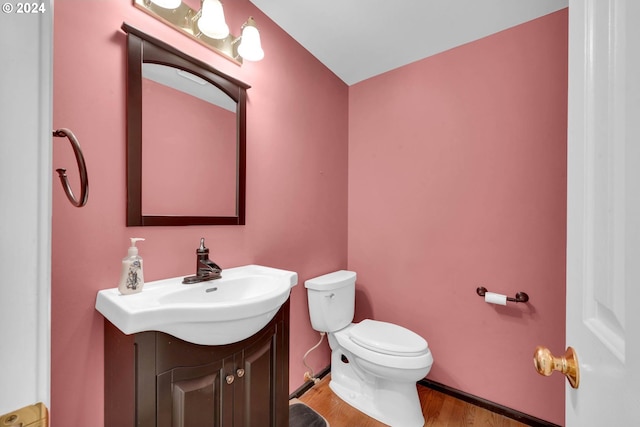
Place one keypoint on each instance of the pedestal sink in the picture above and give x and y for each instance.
(221, 311)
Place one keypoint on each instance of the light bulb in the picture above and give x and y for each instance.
(167, 4)
(250, 47)
(212, 23)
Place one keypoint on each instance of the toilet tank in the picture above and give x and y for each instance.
(331, 300)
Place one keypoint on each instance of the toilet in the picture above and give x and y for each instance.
(374, 365)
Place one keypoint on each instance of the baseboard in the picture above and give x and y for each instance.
(486, 404)
(306, 386)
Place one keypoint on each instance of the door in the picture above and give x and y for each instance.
(196, 396)
(262, 386)
(603, 212)
(256, 391)
(25, 204)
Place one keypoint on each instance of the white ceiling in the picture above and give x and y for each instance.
(358, 39)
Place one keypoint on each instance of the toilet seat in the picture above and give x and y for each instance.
(388, 338)
(413, 359)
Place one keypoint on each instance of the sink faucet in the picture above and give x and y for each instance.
(205, 268)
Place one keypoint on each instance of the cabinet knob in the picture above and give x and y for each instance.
(230, 379)
(240, 372)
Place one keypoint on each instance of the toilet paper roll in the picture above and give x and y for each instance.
(492, 298)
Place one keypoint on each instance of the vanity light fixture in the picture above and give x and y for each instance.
(208, 27)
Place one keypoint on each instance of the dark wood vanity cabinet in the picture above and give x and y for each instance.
(156, 380)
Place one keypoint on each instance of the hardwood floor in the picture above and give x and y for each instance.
(439, 409)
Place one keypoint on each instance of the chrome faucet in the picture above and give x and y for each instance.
(205, 268)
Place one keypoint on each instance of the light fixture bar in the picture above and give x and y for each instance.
(185, 20)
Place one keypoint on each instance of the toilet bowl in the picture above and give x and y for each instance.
(374, 364)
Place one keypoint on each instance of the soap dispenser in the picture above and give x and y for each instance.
(131, 280)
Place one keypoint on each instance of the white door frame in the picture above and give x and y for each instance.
(26, 82)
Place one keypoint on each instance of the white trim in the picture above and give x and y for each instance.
(26, 42)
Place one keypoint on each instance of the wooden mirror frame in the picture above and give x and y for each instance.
(143, 48)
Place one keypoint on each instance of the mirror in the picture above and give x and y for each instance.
(186, 125)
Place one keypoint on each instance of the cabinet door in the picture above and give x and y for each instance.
(256, 388)
(195, 396)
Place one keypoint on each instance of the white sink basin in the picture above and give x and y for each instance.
(216, 312)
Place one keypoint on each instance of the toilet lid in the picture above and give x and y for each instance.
(388, 338)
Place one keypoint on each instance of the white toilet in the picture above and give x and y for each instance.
(374, 365)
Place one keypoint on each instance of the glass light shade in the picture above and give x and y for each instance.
(212, 23)
(250, 47)
(167, 4)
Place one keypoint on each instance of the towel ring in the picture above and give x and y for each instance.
(84, 181)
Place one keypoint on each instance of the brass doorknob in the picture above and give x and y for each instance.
(546, 363)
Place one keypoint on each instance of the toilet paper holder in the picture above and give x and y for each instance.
(520, 296)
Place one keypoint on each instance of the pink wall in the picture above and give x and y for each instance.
(296, 185)
(457, 179)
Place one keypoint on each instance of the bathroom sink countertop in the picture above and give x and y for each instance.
(213, 312)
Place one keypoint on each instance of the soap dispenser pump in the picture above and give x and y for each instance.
(132, 279)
